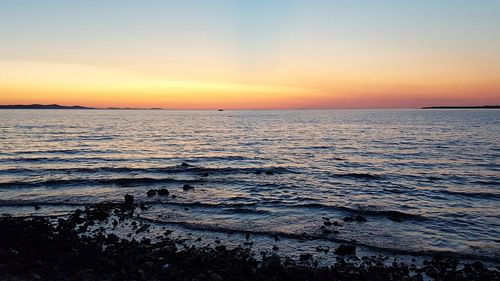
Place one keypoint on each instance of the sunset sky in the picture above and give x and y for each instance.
(250, 54)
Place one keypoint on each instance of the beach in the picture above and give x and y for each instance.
(79, 248)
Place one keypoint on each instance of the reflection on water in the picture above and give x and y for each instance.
(425, 180)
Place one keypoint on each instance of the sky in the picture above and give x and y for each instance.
(253, 54)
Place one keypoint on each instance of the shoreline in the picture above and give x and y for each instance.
(291, 244)
(80, 248)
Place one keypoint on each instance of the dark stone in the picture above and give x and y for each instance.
(346, 250)
(205, 175)
(184, 164)
(42, 249)
(269, 173)
(37, 207)
(187, 187)
(112, 238)
(101, 213)
(129, 199)
(348, 219)
(163, 192)
(304, 257)
(151, 192)
(327, 231)
(142, 228)
(273, 261)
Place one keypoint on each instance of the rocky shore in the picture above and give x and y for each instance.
(72, 248)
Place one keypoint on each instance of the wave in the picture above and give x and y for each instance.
(173, 169)
(391, 214)
(246, 211)
(228, 207)
(314, 237)
(495, 182)
(60, 159)
(114, 181)
(361, 176)
(205, 205)
(61, 151)
(31, 203)
(480, 195)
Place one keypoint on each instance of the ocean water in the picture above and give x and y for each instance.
(427, 181)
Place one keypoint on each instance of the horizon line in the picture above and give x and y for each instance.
(81, 107)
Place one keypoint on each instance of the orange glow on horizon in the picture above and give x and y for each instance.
(24, 82)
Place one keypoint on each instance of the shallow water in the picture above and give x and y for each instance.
(426, 180)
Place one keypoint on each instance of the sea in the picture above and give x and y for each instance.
(412, 182)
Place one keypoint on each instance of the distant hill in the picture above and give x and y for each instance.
(462, 107)
(42, 106)
(57, 106)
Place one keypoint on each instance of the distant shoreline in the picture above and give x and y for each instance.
(463, 107)
(72, 107)
(79, 107)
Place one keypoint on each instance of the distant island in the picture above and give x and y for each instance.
(42, 106)
(57, 106)
(462, 107)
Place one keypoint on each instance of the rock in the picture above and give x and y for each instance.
(269, 173)
(346, 250)
(184, 164)
(258, 172)
(129, 199)
(273, 261)
(215, 277)
(151, 192)
(166, 267)
(348, 219)
(163, 192)
(101, 213)
(327, 223)
(142, 228)
(205, 175)
(174, 196)
(112, 238)
(304, 257)
(327, 231)
(37, 207)
(187, 187)
(142, 275)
